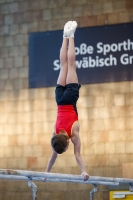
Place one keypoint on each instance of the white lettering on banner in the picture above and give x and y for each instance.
(97, 62)
(84, 49)
(79, 64)
(103, 49)
(77, 50)
(89, 62)
(85, 62)
(106, 48)
(57, 65)
(126, 59)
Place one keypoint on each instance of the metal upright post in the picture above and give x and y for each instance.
(93, 191)
(34, 189)
(131, 187)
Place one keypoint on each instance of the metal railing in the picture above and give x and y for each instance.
(30, 176)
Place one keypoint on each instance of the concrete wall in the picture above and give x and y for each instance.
(27, 115)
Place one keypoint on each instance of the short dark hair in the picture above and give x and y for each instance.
(59, 143)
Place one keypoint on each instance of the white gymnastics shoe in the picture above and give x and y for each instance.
(69, 29)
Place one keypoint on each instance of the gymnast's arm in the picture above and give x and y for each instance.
(51, 161)
(77, 144)
(52, 157)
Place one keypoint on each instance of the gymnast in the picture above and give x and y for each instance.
(66, 94)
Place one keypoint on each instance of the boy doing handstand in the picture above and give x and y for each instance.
(67, 94)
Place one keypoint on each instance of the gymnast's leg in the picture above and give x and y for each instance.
(63, 63)
(67, 56)
(71, 74)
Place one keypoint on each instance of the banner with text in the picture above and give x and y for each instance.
(103, 54)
